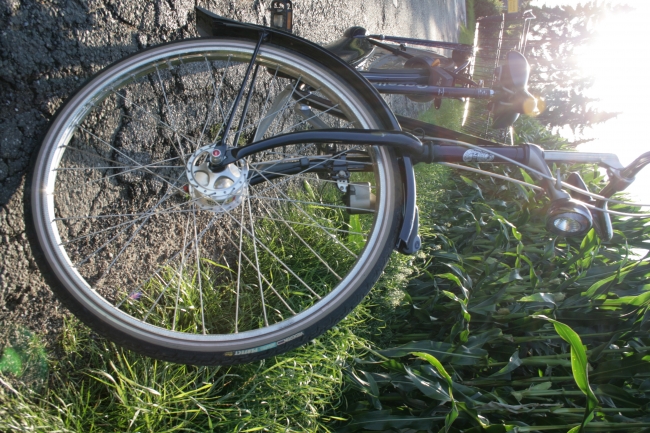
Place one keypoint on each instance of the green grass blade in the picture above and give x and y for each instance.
(579, 367)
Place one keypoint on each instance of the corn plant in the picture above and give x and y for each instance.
(507, 328)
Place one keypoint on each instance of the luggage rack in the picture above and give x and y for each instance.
(495, 36)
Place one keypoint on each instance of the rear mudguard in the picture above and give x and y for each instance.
(209, 24)
(408, 241)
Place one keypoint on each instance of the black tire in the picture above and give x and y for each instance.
(185, 266)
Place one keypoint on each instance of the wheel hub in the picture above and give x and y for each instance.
(218, 191)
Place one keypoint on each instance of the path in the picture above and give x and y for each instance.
(48, 48)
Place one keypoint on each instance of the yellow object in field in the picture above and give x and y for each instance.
(513, 6)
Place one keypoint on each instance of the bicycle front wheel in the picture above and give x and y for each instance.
(153, 250)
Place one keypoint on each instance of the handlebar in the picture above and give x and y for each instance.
(624, 178)
(636, 165)
(568, 215)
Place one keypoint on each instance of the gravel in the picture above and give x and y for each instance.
(49, 47)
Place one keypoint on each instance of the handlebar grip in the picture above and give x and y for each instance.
(622, 180)
(636, 166)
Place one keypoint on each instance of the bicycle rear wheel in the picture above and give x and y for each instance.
(152, 250)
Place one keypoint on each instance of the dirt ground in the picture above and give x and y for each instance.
(49, 47)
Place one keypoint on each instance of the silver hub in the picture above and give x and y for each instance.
(216, 191)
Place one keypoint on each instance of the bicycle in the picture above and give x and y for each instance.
(224, 199)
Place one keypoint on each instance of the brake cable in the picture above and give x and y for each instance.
(489, 173)
(536, 187)
(551, 178)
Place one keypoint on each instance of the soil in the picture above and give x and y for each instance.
(49, 47)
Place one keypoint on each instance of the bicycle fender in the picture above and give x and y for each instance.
(409, 241)
(210, 24)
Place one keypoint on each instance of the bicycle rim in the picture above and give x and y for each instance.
(159, 254)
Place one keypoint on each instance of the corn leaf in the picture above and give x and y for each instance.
(453, 414)
(579, 368)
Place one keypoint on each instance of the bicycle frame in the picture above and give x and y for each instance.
(417, 141)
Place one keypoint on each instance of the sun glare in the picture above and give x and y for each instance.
(616, 60)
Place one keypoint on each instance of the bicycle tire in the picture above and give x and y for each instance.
(132, 247)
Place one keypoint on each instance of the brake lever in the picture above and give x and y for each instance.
(619, 181)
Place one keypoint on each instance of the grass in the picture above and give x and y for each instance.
(449, 115)
(87, 384)
(506, 328)
(467, 32)
(96, 386)
(471, 16)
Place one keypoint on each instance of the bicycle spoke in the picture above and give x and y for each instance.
(307, 170)
(199, 277)
(179, 149)
(126, 156)
(127, 100)
(241, 240)
(304, 242)
(162, 281)
(165, 212)
(281, 103)
(110, 266)
(217, 93)
(94, 155)
(317, 116)
(250, 262)
(173, 257)
(299, 223)
(130, 168)
(311, 203)
(180, 275)
(268, 97)
(105, 178)
(268, 250)
(294, 202)
(257, 262)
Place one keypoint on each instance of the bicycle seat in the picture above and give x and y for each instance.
(512, 97)
(514, 72)
(351, 49)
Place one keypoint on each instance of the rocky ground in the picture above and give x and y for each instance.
(49, 47)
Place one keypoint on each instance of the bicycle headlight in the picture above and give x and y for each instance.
(567, 217)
